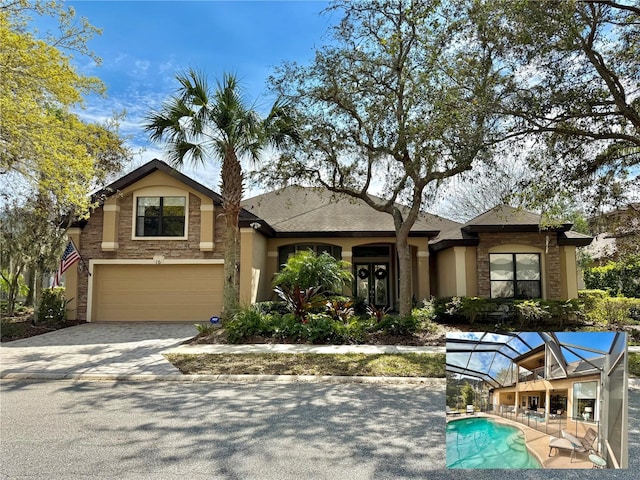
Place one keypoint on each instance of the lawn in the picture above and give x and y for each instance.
(634, 364)
(351, 364)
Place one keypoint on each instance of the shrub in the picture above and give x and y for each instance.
(319, 328)
(589, 298)
(469, 307)
(274, 306)
(352, 331)
(306, 269)
(376, 313)
(617, 278)
(425, 316)
(395, 325)
(205, 328)
(245, 323)
(613, 311)
(283, 327)
(530, 312)
(340, 308)
(53, 306)
(301, 302)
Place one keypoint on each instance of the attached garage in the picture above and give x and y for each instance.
(148, 292)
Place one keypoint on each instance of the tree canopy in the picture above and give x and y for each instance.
(50, 158)
(47, 148)
(198, 124)
(574, 91)
(399, 101)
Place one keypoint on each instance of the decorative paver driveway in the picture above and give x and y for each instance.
(96, 348)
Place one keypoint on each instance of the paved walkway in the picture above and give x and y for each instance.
(101, 349)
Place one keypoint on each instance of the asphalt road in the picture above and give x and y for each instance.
(68, 430)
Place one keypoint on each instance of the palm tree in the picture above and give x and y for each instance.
(197, 125)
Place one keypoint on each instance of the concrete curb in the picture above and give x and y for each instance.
(435, 382)
(216, 349)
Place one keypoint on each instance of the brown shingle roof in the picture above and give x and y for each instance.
(504, 218)
(298, 210)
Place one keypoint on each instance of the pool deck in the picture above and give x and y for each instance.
(538, 444)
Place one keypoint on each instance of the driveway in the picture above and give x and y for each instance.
(109, 349)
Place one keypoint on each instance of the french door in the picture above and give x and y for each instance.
(372, 283)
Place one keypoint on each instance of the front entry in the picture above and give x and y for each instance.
(372, 283)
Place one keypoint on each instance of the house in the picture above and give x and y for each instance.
(565, 381)
(154, 249)
(617, 233)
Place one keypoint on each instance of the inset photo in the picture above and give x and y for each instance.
(537, 400)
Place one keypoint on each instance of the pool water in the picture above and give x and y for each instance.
(483, 443)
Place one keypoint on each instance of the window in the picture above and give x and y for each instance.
(515, 275)
(286, 251)
(584, 401)
(160, 216)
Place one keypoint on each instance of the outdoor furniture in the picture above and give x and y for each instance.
(452, 412)
(560, 444)
(470, 410)
(598, 461)
(581, 444)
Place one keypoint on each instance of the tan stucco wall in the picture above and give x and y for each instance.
(472, 277)
(569, 272)
(253, 265)
(446, 273)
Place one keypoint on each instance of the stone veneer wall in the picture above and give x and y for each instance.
(551, 259)
(91, 243)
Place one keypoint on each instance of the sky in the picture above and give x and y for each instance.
(489, 362)
(145, 43)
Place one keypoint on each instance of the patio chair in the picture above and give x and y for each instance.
(470, 410)
(557, 414)
(452, 412)
(581, 444)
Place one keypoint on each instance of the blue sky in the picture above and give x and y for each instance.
(145, 43)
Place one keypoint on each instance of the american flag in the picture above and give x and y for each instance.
(69, 257)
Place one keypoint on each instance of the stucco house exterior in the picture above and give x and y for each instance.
(153, 249)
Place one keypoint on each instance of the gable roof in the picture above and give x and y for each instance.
(149, 168)
(505, 219)
(158, 165)
(312, 211)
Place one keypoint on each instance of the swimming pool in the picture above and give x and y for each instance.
(483, 443)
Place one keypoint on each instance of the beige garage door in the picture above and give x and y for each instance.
(190, 293)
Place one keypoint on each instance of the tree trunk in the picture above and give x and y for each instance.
(231, 191)
(29, 280)
(405, 272)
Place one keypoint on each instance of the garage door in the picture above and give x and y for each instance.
(190, 293)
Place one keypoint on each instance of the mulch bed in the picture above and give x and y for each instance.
(16, 328)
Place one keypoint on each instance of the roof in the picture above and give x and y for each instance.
(491, 357)
(313, 211)
(505, 219)
(155, 165)
(149, 168)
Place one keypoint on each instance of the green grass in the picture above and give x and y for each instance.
(634, 364)
(352, 364)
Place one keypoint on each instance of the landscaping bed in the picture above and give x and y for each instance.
(350, 364)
